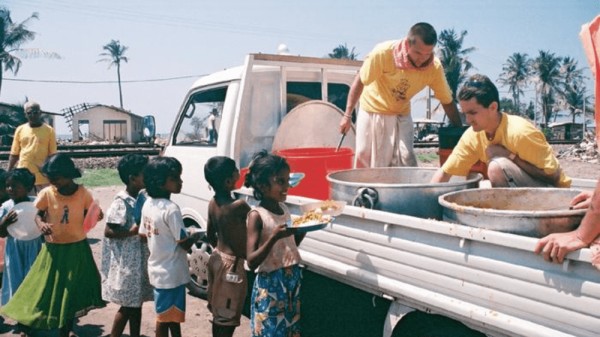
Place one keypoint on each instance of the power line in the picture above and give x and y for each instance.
(103, 82)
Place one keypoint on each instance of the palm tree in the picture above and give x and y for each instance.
(546, 69)
(12, 36)
(515, 74)
(573, 90)
(454, 58)
(342, 52)
(114, 55)
(10, 118)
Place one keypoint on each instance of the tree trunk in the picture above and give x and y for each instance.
(1, 76)
(119, 79)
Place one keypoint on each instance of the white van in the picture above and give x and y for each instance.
(372, 272)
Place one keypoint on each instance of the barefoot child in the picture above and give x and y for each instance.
(226, 230)
(124, 255)
(162, 225)
(272, 251)
(20, 252)
(63, 282)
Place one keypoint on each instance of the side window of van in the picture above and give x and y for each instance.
(300, 92)
(200, 121)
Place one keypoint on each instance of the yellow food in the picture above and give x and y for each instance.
(329, 206)
(314, 215)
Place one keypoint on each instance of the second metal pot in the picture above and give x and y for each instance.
(402, 190)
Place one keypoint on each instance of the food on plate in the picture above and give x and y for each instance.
(329, 206)
(313, 216)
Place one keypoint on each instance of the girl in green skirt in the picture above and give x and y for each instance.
(63, 282)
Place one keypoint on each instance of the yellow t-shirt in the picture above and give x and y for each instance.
(33, 146)
(517, 135)
(65, 213)
(388, 90)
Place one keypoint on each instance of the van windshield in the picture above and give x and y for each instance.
(202, 117)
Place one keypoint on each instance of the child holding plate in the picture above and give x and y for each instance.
(17, 225)
(63, 282)
(272, 250)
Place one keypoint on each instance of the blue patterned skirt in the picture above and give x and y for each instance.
(275, 304)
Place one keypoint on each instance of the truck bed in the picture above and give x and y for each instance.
(491, 281)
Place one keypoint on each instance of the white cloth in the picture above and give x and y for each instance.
(516, 176)
(124, 267)
(284, 252)
(384, 140)
(162, 223)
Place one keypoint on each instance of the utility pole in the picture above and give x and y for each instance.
(428, 116)
(584, 128)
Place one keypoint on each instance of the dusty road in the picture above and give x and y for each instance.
(99, 322)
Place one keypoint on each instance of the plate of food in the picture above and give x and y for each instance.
(309, 221)
(24, 228)
(326, 207)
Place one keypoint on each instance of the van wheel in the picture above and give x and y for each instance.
(418, 323)
(198, 257)
(197, 261)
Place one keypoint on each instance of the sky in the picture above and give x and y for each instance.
(171, 43)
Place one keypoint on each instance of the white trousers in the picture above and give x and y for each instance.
(384, 140)
(516, 176)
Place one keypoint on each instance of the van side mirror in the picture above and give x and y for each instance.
(149, 128)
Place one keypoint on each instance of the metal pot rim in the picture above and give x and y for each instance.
(508, 213)
(475, 177)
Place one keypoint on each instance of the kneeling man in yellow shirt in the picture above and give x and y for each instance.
(516, 152)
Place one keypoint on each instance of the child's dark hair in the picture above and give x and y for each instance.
(60, 165)
(22, 175)
(131, 165)
(2, 178)
(262, 167)
(217, 169)
(156, 173)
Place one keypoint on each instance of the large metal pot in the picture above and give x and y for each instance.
(403, 190)
(532, 212)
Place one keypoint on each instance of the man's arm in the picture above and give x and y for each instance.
(452, 113)
(555, 247)
(497, 150)
(52, 146)
(15, 150)
(12, 161)
(440, 176)
(353, 95)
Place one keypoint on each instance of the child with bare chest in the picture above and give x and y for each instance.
(226, 230)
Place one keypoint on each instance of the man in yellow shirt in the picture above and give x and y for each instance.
(392, 73)
(516, 152)
(33, 142)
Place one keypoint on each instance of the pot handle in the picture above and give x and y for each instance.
(365, 197)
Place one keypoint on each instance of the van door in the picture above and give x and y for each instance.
(195, 138)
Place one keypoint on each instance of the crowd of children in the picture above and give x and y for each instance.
(51, 279)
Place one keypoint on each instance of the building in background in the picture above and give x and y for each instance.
(97, 122)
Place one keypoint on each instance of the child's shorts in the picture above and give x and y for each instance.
(170, 304)
(226, 293)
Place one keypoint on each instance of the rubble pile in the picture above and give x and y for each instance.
(586, 151)
(96, 163)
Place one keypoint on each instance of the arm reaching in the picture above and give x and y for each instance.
(440, 176)
(555, 247)
(452, 112)
(582, 200)
(353, 96)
